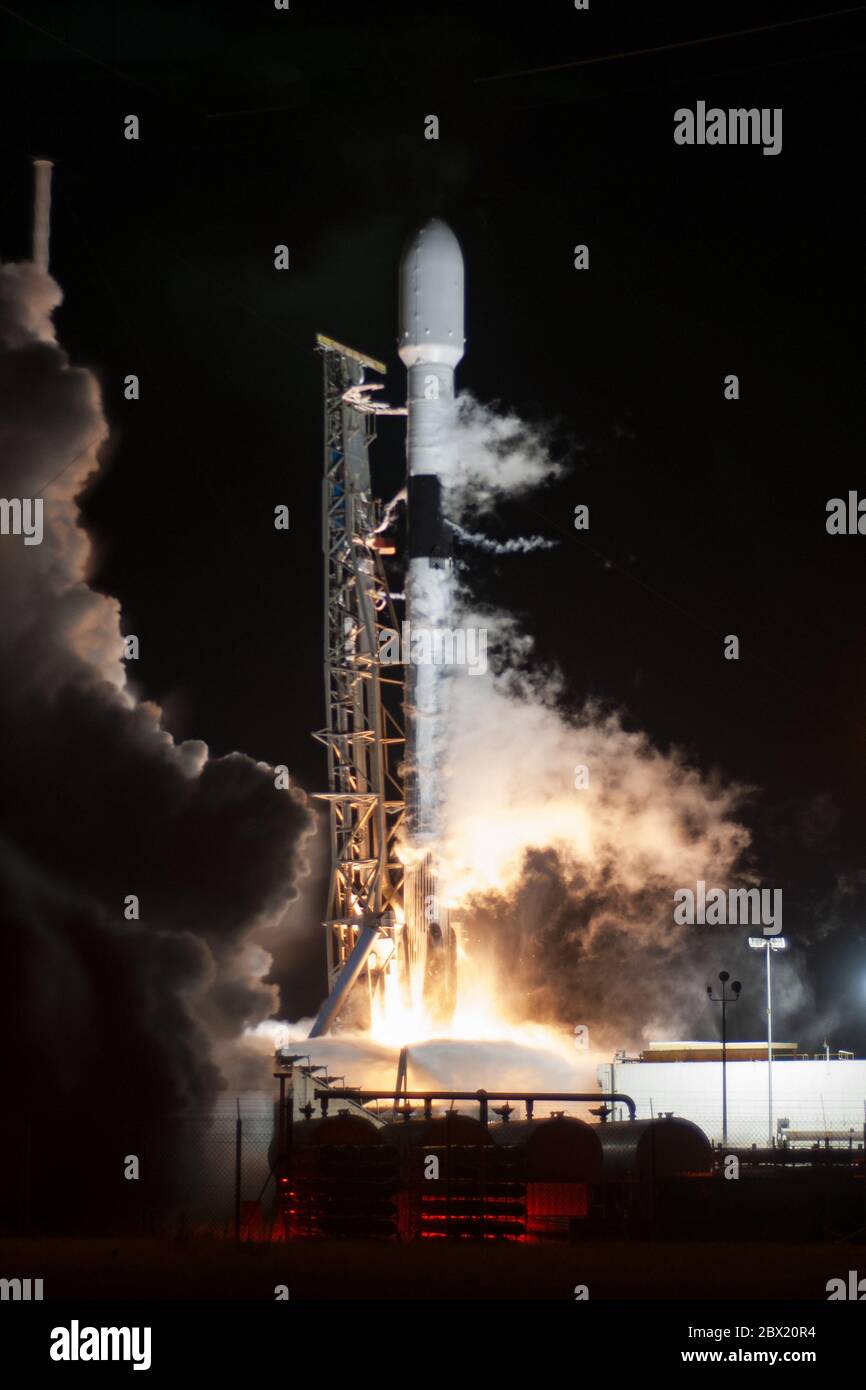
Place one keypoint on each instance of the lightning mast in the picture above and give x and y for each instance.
(364, 736)
(41, 212)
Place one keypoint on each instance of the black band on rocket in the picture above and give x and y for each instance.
(429, 537)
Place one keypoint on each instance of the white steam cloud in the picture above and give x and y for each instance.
(644, 818)
(515, 545)
(492, 456)
(567, 832)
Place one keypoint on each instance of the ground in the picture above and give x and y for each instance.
(360, 1270)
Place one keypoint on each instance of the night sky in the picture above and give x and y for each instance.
(707, 516)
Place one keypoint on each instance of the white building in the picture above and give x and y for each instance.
(814, 1099)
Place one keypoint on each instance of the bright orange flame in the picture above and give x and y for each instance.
(480, 1013)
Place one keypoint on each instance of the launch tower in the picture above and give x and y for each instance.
(364, 735)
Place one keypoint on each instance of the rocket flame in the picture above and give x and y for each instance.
(622, 840)
(397, 1021)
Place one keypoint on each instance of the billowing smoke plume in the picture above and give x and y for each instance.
(112, 1012)
(568, 833)
(493, 456)
(568, 836)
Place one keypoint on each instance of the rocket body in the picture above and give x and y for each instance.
(431, 345)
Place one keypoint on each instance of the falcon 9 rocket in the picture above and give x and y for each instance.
(431, 344)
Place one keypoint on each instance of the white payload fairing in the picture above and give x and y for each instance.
(431, 344)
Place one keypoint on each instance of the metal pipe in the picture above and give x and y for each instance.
(41, 212)
(281, 1119)
(725, 999)
(367, 938)
(238, 1143)
(724, 1069)
(480, 1097)
(769, 1046)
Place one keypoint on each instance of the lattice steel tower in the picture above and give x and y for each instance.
(364, 735)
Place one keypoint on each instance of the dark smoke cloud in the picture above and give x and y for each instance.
(298, 955)
(108, 1025)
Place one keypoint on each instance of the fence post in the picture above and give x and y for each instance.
(27, 1175)
(238, 1134)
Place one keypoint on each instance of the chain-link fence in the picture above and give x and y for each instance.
(217, 1174)
(191, 1173)
(745, 1122)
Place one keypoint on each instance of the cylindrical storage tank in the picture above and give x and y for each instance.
(561, 1149)
(452, 1128)
(455, 1182)
(649, 1149)
(343, 1128)
(561, 1162)
(340, 1178)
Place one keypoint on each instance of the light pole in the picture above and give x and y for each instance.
(769, 944)
(725, 999)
